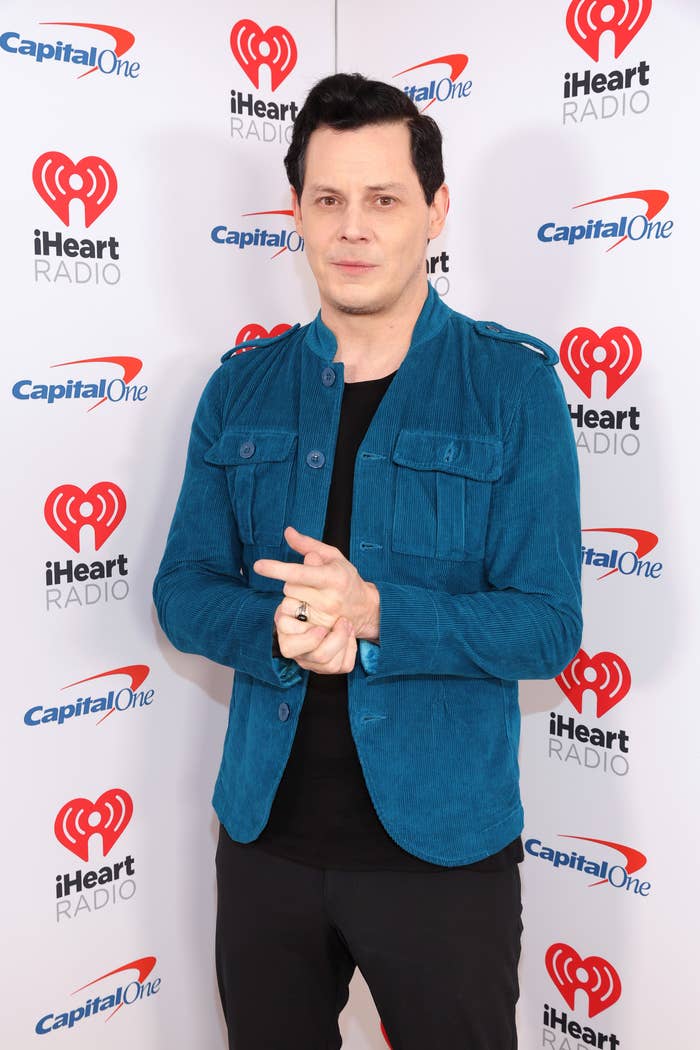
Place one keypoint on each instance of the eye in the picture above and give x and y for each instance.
(327, 201)
(385, 202)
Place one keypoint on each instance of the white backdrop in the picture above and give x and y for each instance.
(608, 764)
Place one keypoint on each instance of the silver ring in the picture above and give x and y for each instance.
(301, 612)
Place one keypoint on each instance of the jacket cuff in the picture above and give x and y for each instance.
(260, 657)
(409, 633)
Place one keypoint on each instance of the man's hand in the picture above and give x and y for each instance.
(317, 648)
(329, 583)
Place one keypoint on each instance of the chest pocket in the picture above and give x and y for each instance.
(258, 466)
(443, 493)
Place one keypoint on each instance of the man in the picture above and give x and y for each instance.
(379, 530)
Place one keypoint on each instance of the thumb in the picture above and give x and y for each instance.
(313, 558)
(303, 544)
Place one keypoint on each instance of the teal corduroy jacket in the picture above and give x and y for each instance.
(466, 517)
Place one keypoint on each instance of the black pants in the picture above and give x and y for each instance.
(439, 952)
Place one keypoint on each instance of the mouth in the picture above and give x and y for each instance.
(352, 266)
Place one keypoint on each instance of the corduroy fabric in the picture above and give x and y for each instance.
(465, 516)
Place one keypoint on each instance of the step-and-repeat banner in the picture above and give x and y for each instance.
(146, 229)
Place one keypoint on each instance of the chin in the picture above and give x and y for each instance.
(357, 308)
(361, 302)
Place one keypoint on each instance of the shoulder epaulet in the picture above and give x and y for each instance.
(250, 343)
(497, 331)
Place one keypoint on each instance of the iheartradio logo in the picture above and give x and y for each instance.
(594, 975)
(68, 508)
(587, 20)
(252, 48)
(616, 353)
(80, 819)
(58, 181)
(256, 331)
(605, 674)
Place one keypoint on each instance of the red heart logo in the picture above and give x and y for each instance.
(256, 331)
(68, 508)
(58, 181)
(606, 674)
(79, 819)
(618, 351)
(587, 20)
(595, 975)
(253, 48)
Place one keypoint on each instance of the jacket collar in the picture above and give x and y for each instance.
(433, 316)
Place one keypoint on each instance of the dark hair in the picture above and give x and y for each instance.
(349, 100)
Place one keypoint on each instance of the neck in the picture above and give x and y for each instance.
(373, 345)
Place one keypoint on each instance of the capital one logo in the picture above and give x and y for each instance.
(68, 508)
(616, 353)
(80, 819)
(252, 48)
(443, 89)
(605, 674)
(58, 181)
(594, 975)
(629, 563)
(135, 990)
(587, 20)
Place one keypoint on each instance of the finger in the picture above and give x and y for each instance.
(342, 662)
(287, 610)
(294, 645)
(325, 602)
(333, 644)
(292, 572)
(290, 625)
(302, 543)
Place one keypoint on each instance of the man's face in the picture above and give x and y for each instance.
(364, 218)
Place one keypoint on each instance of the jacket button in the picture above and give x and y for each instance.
(283, 712)
(328, 377)
(315, 459)
(247, 449)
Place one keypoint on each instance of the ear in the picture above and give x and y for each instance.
(296, 207)
(438, 211)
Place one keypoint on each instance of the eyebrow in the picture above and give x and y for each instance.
(317, 188)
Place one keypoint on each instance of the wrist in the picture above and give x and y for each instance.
(370, 625)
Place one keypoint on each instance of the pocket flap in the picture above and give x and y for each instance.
(237, 446)
(470, 457)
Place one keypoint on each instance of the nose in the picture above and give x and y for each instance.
(353, 226)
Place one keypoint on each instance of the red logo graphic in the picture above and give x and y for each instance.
(131, 366)
(606, 674)
(456, 63)
(635, 860)
(256, 331)
(619, 353)
(655, 200)
(276, 211)
(123, 39)
(68, 508)
(79, 819)
(594, 975)
(587, 20)
(58, 181)
(645, 541)
(253, 48)
(138, 673)
(142, 966)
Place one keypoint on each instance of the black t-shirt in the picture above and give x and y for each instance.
(322, 814)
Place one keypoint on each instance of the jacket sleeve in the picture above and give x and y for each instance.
(204, 605)
(528, 623)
